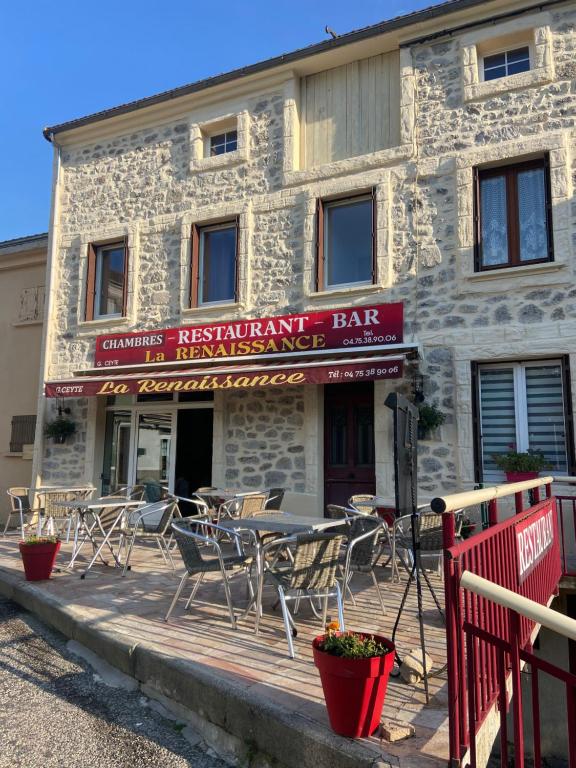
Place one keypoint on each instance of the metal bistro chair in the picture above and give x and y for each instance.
(195, 538)
(311, 574)
(243, 506)
(57, 517)
(367, 537)
(275, 497)
(364, 509)
(20, 506)
(150, 523)
(429, 535)
(336, 512)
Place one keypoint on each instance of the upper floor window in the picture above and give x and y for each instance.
(214, 264)
(513, 216)
(107, 283)
(507, 63)
(346, 242)
(223, 142)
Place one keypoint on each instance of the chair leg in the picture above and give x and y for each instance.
(128, 553)
(159, 545)
(165, 545)
(194, 590)
(340, 608)
(287, 622)
(8, 523)
(177, 595)
(324, 610)
(375, 580)
(229, 599)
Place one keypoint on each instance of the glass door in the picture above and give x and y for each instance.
(116, 466)
(153, 452)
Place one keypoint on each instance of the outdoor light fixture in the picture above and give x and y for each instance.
(418, 387)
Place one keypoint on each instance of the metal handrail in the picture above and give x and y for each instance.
(456, 501)
(548, 618)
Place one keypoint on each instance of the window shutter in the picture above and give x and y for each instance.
(90, 283)
(194, 266)
(320, 255)
(237, 262)
(126, 273)
(374, 243)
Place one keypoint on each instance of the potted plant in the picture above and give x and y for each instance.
(59, 429)
(38, 555)
(430, 417)
(521, 465)
(354, 669)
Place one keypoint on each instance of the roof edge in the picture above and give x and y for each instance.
(430, 13)
(25, 240)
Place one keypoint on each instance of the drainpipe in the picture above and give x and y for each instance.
(53, 238)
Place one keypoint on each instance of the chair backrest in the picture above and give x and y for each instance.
(274, 498)
(160, 522)
(51, 499)
(250, 505)
(366, 551)
(430, 531)
(356, 502)
(188, 534)
(19, 499)
(316, 560)
(206, 494)
(335, 512)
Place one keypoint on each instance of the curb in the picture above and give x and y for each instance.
(266, 731)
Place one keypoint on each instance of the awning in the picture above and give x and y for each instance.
(221, 378)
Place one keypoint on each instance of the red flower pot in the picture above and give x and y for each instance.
(38, 559)
(354, 689)
(517, 477)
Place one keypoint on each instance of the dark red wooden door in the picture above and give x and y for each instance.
(348, 441)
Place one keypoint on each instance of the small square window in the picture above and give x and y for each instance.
(346, 242)
(223, 143)
(507, 63)
(214, 267)
(106, 287)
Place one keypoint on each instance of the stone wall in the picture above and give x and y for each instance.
(64, 464)
(145, 185)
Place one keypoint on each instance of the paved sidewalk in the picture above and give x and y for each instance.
(240, 689)
(55, 713)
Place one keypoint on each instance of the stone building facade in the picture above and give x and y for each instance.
(141, 175)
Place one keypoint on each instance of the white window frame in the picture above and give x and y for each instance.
(506, 49)
(521, 404)
(98, 315)
(335, 204)
(203, 230)
(224, 132)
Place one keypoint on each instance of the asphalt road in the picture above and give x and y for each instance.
(56, 712)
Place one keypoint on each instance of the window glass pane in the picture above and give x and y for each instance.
(218, 264)
(519, 55)
(110, 278)
(545, 405)
(497, 60)
(493, 220)
(497, 415)
(364, 435)
(532, 215)
(338, 450)
(494, 73)
(348, 242)
(518, 66)
(223, 142)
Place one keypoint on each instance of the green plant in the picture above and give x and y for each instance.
(521, 461)
(430, 417)
(351, 645)
(41, 540)
(59, 429)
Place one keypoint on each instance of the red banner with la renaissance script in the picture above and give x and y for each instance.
(355, 327)
(241, 379)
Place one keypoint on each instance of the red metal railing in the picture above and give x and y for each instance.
(476, 676)
(567, 519)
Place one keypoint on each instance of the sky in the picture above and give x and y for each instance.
(63, 60)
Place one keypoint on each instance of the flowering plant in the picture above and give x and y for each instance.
(521, 461)
(351, 645)
(40, 540)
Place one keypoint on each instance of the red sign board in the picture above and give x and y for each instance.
(534, 537)
(272, 377)
(357, 327)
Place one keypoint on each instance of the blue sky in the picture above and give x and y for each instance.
(63, 60)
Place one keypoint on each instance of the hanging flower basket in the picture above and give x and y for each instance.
(59, 429)
(38, 555)
(354, 687)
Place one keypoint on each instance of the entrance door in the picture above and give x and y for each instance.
(193, 450)
(153, 456)
(348, 441)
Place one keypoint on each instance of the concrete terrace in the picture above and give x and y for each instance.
(240, 690)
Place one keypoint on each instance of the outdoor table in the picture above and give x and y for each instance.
(94, 507)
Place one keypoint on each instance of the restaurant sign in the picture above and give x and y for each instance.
(534, 538)
(274, 376)
(361, 327)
